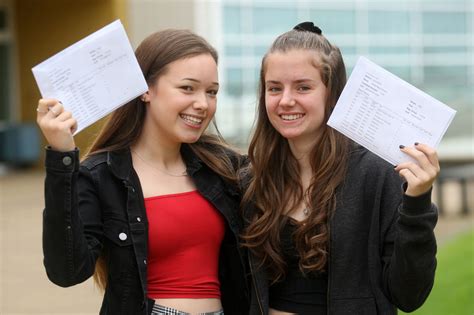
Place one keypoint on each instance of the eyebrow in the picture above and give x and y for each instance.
(297, 81)
(197, 81)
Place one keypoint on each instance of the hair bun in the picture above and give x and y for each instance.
(308, 27)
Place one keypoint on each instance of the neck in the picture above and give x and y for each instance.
(161, 153)
(302, 152)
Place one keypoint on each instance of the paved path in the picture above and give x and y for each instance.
(24, 287)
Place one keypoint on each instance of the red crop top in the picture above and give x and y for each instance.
(184, 239)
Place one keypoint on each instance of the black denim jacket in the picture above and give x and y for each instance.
(98, 207)
(382, 252)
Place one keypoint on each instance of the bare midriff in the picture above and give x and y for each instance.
(192, 305)
(275, 312)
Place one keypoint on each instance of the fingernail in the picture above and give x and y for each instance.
(401, 146)
(395, 166)
(416, 143)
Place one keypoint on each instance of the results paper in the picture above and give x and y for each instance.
(380, 111)
(94, 76)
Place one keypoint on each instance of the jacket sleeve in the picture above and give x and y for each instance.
(70, 251)
(409, 247)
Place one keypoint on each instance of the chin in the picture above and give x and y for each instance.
(191, 139)
(289, 135)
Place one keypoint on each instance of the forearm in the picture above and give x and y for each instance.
(413, 263)
(67, 258)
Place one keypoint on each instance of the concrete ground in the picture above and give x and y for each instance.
(24, 287)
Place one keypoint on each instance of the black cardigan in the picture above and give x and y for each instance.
(382, 245)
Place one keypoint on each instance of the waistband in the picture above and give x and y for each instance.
(164, 310)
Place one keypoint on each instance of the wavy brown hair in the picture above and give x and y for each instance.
(124, 126)
(274, 188)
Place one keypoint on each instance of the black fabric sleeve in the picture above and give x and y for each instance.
(409, 250)
(69, 251)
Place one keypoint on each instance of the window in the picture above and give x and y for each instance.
(382, 22)
(389, 50)
(444, 50)
(231, 19)
(401, 72)
(333, 22)
(234, 82)
(446, 75)
(233, 51)
(3, 19)
(444, 22)
(4, 82)
(274, 20)
(5, 70)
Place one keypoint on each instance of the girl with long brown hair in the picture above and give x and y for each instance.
(330, 227)
(152, 211)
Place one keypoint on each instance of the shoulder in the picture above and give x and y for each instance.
(370, 170)
(363, 160)
(219, 149)
(95, 160)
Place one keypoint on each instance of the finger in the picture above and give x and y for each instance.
(74, 126)
(418, 155)
(420, 174)
(68, 124)
(65, 115)
(408, 175)
(43, 106)
(430, 153)
(55, 110)
(423, 160)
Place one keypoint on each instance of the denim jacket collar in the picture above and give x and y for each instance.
(120, 162)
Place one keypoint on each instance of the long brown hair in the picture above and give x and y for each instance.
(275, 188)
(124, 126)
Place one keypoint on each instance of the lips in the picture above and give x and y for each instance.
(192, 120)
(291, 117)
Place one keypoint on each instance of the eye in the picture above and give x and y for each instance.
(304, 88)
(212, 93)
(187, 88)
(273, 89)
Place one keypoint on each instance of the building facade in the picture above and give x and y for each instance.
(429, 43)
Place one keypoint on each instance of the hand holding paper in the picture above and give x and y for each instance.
(94, 76)
(419, 175)
(380, 111)
(57, 125)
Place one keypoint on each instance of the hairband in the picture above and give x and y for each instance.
(308, 27)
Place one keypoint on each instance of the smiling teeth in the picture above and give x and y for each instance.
(291, 117)
(191, 119)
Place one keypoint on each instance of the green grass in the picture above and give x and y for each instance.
(453, 291)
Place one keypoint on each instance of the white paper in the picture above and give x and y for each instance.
(380, 111)
(94, 76)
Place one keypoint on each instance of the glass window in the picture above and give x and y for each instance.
(231, 50)
(348, 50)
(444, 22)
(442, 75)
(4, 75)
(390, 50)
(389, 22)
(234, 81)
(441, 50)
(3, 19)
(401, 72)
(261, 50)
(231, 19)
(274, 20)
(334, 21)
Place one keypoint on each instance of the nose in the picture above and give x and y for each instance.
(201, 102)
(287, 98)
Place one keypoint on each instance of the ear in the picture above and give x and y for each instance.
(145, 97)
